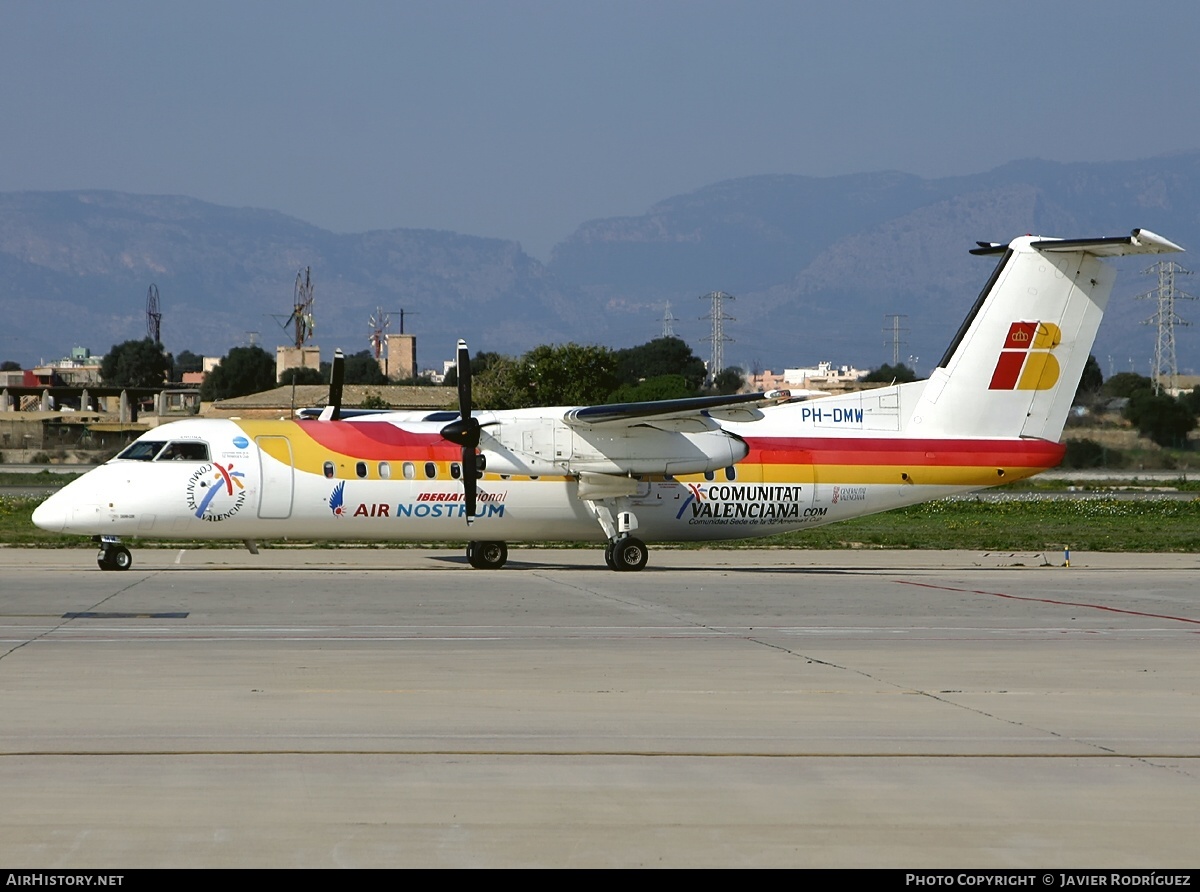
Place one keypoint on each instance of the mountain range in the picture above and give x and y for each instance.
(817, 268)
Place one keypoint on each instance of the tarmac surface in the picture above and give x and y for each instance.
(393, 707)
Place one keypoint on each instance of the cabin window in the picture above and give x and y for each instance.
(430, 470)
(329, 469)
(142, 450)
(385, 470)
(709, 475)
(455, 470)
(184, 450)
(730, 473)
(410, 470)
(360, 468)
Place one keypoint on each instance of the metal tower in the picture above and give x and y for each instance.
(668, 329)
(893, 331)
(1165, 367)
(718, 338)
(153, 315)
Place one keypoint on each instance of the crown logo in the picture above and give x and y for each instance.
(1020, 336)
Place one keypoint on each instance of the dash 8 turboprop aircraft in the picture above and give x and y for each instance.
(693, 469)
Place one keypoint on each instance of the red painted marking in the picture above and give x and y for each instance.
(379, 441)
(225, 474)
(1020, 336)
(923, 452)
(973, 591)
(1008, 370)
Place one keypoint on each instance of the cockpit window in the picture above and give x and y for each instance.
(184, 450)
(142, 450)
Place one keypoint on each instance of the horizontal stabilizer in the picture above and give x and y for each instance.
(1140, 241)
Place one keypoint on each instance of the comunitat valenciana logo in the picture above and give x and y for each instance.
(1026, 359)
(215, 492)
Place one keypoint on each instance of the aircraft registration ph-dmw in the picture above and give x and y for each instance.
(725, 467)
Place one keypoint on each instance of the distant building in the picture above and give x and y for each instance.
(400, 362)
(77, 370)
(282, 402)
(1180, 384)
(823, 377)
(292, 358)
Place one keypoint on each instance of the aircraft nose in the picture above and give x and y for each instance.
(51, 514)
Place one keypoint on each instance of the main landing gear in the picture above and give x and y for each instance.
(113, 555)
(487, 555)
(625, 553)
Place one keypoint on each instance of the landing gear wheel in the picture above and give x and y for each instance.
(487, 555)
(628, 554)
(114, 557)
(608, 556)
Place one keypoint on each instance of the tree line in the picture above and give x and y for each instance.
(569, 374)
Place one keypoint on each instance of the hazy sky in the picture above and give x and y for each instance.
(523, 119)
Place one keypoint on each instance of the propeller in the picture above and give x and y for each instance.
(465, 431)
(337, 374)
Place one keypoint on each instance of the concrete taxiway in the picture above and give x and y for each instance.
(388, 707)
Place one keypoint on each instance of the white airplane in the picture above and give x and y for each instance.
(678, 470)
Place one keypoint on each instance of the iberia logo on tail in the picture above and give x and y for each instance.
(1026, 361)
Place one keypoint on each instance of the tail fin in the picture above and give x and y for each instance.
(1015, 364)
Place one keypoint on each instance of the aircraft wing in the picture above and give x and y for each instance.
(693, 413)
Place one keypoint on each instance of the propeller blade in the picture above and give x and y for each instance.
(470, 478)
(463, 364)
(337, 374)
(465, 431)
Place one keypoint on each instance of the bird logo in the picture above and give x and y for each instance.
(336, 498)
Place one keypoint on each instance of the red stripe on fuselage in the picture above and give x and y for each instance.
(896, 451)
(380, 441)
